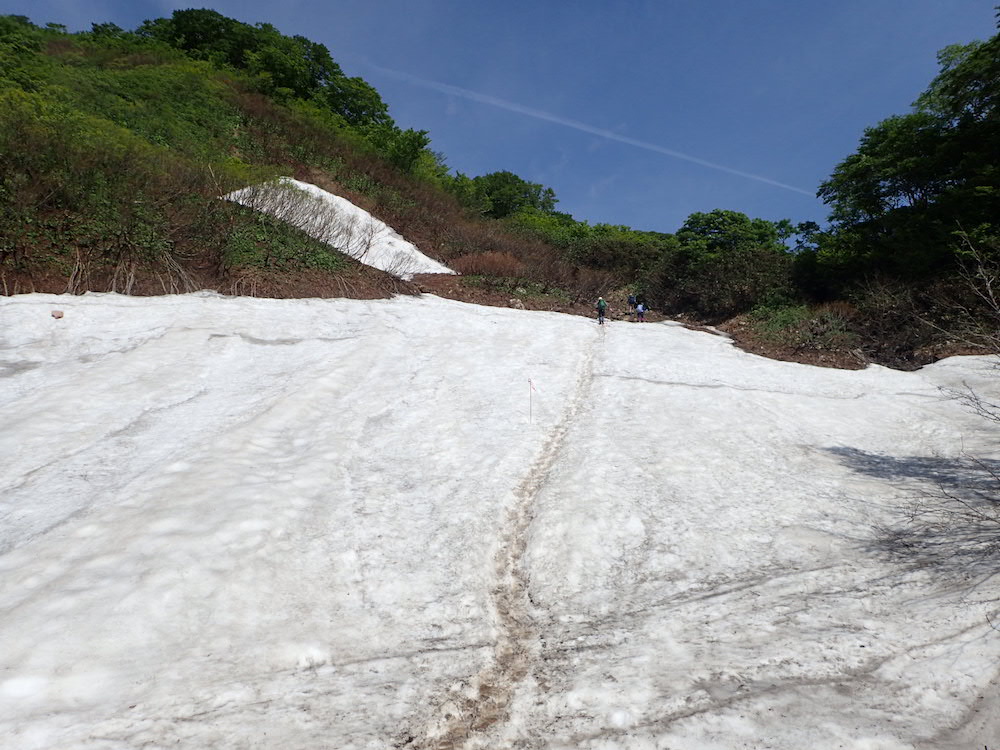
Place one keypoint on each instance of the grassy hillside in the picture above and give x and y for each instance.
(115, 147)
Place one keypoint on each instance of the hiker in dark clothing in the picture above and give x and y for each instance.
(602, 308)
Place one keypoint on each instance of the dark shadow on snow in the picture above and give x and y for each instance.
(950, 520)
(965, 475)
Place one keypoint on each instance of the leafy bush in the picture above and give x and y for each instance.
(489, 264)
(257, 240)
(720, 285)
(802, 327)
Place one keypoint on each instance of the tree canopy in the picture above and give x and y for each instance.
(917, 178)
(721, 231)
(507, 194)
(295, 65)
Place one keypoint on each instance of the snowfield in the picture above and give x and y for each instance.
(300, 524)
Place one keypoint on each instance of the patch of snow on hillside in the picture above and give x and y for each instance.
(336, 221)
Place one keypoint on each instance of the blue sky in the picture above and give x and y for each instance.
(636, 112)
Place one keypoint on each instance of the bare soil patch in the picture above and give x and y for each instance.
(883, 353)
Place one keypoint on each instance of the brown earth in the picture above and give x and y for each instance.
(357, 282)
(744, 336)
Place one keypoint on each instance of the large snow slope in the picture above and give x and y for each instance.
(250, 523)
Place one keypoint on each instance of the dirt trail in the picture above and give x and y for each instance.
(460, 720)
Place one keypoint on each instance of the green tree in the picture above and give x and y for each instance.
(721, 231)
(204, 34)
(20, 42)
(722, 263)
(470, 194)
(917, 178)
(509, 193)
(291, 66)
(356, 101)
(402, 148)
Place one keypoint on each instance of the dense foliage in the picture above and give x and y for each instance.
(115, 146)
(918, 178)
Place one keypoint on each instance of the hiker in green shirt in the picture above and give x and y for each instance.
(601, 308)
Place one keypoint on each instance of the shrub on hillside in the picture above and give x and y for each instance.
(719, 285)
(489, 263)
(824, 327)
(889, 316)
(256, 240)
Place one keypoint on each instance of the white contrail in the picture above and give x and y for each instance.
(576, 125)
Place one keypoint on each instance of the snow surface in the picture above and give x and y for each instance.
(254, 523)
(338, 222)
